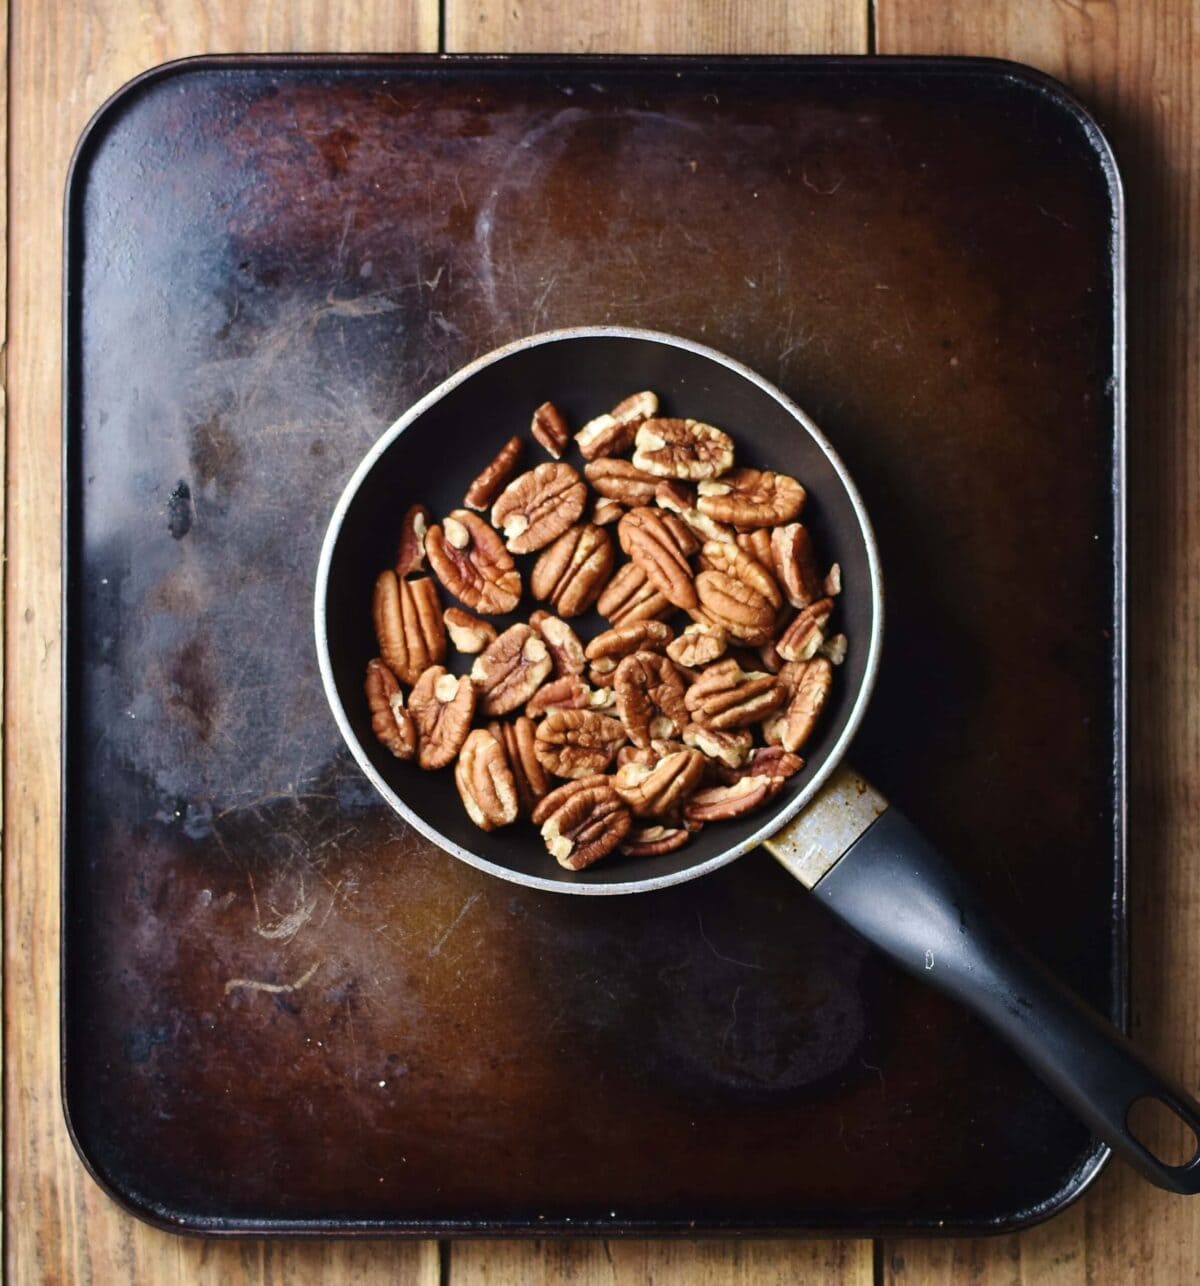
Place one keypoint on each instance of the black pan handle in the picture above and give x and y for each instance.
(894, 889)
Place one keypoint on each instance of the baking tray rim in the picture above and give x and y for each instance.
(1031, 79)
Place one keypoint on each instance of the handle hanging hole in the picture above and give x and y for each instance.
(1160, 1129)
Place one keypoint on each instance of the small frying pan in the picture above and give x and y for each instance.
(835, 833)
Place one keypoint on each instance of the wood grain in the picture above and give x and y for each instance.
(1135, 65)
(657, 26)
(665, 1263)
(66, 58)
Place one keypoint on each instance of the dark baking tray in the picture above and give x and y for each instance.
(268, 259)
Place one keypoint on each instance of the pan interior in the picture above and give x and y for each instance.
(433, 458)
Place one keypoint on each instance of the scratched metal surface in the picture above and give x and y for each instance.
(284, 1009)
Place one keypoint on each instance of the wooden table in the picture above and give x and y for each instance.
(1132, 61)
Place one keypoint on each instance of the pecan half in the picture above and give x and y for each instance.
(517, 738)
(488, 485)
(510, 670)
(680, 499)
(563, 642)
(738, 607)
(730, 749)
(660, 789)
(726, 696)
(654, 841)
(485, 782)
(683, 449)
(757, 544)
(765, 761)
(539, 506)
(806, 633)
(720, 803)
(795, 564)
(732, 560)
(629, 596)
(442, 706)
(655, 547)
(794, 725)
(607, 649)
(410, 553)
(469, 634)
(568, 692)
(613, 433)
(471, 562)
(619, 480)
(577, 743)
(408, 625)
(699, 644)
(572, 571)
(751, 498)
(650, 697)
(550, 429)
(582, 821)
(390, 721)
(605, 511)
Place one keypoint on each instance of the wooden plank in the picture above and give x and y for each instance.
(665, 1263)
(657, 26)
(1136, 65)
(67, 57)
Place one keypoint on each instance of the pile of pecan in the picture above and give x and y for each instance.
(718, 625)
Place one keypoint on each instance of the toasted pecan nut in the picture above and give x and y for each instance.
(619, 480)
(410, 552)
(550, 430)
(834, 648)
(757, 543)
(485, 782)
(517, 737)
(648, 755)
(469, 634)
(729, 749)
(613, 433)
(564, 644)
(738, 607)
(751, 498)
(726, 696)
(390, 721)
(672, 448)
(732, 560)
(607, 649)
(629, 597)
(720, 803)
(442, 706)
(539, 506)
(488, 485)
(654, 841)
(577, 743)
(571, 573)
(806, 633)
(655, 548)
(795, 723)
(605, 511)
(700, 643)
(680, 499)
(659, 789)
(795, 563)
(764, 761)
(769, 658)
(510, 670)
(471, 562)
(567, 692)
(650, 696)
(582, 821)
(408, 625)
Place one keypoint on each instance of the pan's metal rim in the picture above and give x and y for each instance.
(775, 820)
